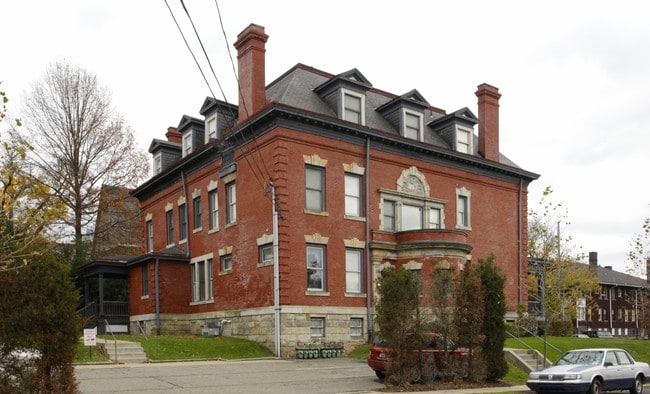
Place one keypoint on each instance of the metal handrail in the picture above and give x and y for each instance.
(146, 339)
(108, 326)
(542, 339)
(527, 346)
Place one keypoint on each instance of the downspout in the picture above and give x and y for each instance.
(520, 246)
(611, 312)
(368, 265)
(187, 219)
(276, 273)
(157, 297)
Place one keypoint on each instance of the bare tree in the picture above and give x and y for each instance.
(639, 255)
(80, 143)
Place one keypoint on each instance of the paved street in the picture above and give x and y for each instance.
(332, 375)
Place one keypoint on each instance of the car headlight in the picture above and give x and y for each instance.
(572, 376)
(533, 376)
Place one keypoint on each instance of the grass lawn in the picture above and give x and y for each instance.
(167, 347)
(638, 348)
(86, 354)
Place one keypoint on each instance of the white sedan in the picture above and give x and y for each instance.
(591, 371)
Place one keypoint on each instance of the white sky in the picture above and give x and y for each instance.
(574, 75)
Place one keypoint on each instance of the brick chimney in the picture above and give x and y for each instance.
(173, 135)
(593, 259)
(488, 126)
(251, 50)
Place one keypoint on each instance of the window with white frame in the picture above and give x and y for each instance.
(352, 195)
(231, 202)
(316, 268)
(226, 262)
(464, 140)
(145, 280)
(353, 272)
(389, 215)
(356, 327)
(412, 125)
(149, 236)
(170, 227)
(182, 220)
(353, 107)
(402, 213)
(201, 273)
(213, 206)
(463, 206)
(196, 205)
(317, 327)
(266, 254)
(211, 128)
(314, 188)
(157, 163)
(187, 143)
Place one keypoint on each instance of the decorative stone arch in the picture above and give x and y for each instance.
(412, 181)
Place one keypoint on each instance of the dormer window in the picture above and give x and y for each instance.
(187, 143)
(211, 128)
(412, 125)
(353, 107)
(464, 140)
(157, 163)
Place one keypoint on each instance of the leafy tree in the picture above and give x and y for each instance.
(557, 266)
(468, 318)
(80, 142)
(26, 207)
(37, 305)
(397, 308)
(493, 328)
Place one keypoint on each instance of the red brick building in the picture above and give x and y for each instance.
(359, 178)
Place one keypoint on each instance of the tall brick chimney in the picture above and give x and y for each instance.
(251, 50)
(593, 259)
(173, 135)
(488, 125)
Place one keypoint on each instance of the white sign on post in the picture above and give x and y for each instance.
(90, 336)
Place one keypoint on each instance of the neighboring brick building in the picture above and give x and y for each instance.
(362, 178)
(619, 307)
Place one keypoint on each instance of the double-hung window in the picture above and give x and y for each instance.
(353, 273)
(187, 143)
(201, 272)
(196, 205)
(231, 202)
(157, 163)
(435, 217)
(412, 125)
(226, 263)
(145, 280)
(182, 220)
(464, 140)
(389, 215)
(411, 217)
(352, 195)
(314, 188)
(266, 254)
(170, 227)
(149, 236)
(211, 128)
(463, 211)
(316, 268)
(317, 327)
(213, 203)
(353, 107)
(356, 327)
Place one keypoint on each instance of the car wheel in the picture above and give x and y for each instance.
(596, 387)
(380, 374)
(638, 386)
(416, 373)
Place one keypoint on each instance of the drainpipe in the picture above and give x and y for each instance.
(611, 312)
(368, 265)
(276, 272)
(157, 297)
(187, 219)
(521, 239)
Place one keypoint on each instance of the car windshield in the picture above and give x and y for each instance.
(590, 357)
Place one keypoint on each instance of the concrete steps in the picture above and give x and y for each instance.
(525, 359)
(124, 352)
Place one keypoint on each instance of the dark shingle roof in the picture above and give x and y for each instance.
(608, 276)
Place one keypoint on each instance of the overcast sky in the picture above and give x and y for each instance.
(574, 76)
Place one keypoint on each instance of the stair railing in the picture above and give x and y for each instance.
(146, 339)
(533, 350)
(110, 331)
